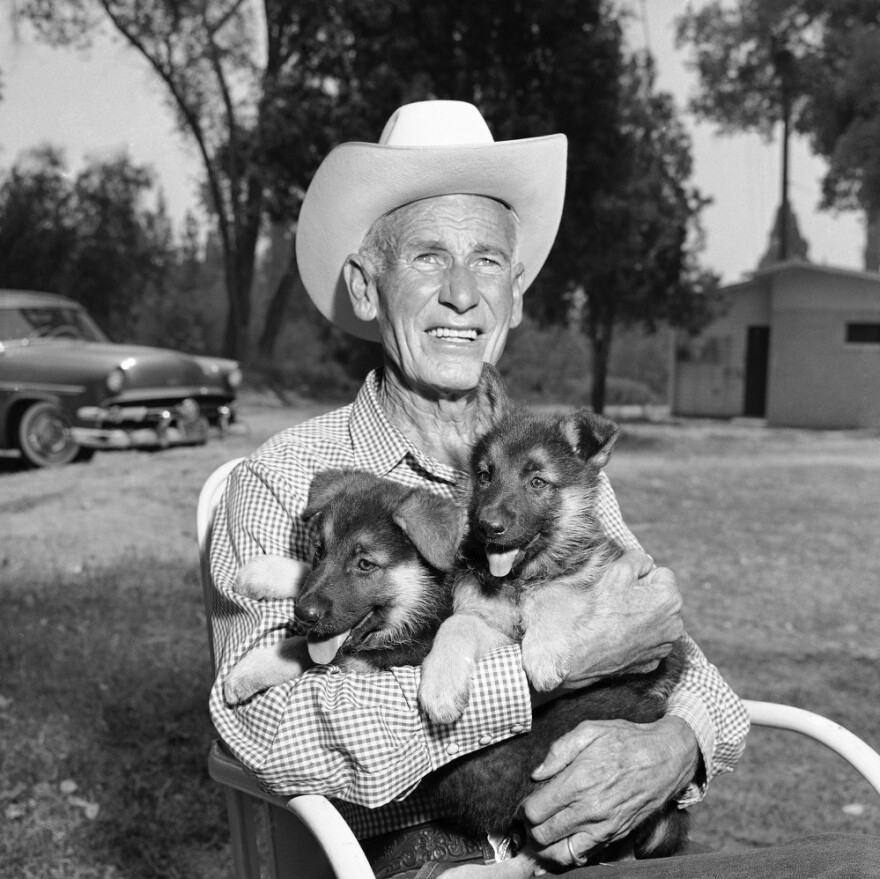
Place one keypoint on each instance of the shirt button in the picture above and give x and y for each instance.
(517, 728)
(484, 740)
(452, 749)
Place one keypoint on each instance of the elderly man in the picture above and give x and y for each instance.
(427, 242)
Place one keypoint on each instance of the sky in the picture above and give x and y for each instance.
(105, 100)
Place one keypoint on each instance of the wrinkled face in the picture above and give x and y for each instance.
(449, 290)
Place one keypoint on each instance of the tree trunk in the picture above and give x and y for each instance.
(239, 276)
(872, 241)
(276, 311)
(600, 344)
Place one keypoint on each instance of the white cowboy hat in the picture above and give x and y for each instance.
(427, 149)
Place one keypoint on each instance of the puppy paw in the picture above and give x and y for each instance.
(263, 668)
(271, 576)
(545, 668)
(445, 688)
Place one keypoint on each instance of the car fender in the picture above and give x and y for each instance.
(13, 406)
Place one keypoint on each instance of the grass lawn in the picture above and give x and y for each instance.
(104, 667)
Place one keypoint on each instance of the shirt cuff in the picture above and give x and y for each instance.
(694, 713)
(500, 707)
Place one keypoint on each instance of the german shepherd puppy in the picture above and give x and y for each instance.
(378, 589)
(533, 547)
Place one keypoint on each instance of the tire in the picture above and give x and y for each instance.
(44, 436)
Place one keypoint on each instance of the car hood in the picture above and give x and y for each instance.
(144, 366)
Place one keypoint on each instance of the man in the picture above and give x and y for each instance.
(427, 242)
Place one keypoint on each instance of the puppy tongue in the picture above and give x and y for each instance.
(324, 650)
(500, 563)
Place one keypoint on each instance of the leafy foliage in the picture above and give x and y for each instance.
(826, 55)
(90, 236)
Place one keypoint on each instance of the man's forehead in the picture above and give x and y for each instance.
(421, 218)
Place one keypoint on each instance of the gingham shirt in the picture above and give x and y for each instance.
(360, 738)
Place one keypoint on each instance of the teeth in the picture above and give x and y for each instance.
(450, 333)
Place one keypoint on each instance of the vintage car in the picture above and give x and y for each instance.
(66, 390)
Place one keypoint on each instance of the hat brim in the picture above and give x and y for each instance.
(359, 182)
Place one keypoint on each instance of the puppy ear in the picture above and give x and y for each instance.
(494, 399)
(591, 436)
(325, 486)
(434, 525)
(493, 402)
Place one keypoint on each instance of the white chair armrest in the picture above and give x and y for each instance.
(839, 739)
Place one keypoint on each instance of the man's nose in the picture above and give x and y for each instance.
(459, 288)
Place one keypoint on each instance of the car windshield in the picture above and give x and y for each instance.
(47, 322)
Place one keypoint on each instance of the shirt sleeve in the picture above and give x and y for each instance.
(358, 737)
(702, 698)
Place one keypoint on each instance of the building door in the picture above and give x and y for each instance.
(757, 365)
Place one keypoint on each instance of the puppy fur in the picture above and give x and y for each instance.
(534, 547)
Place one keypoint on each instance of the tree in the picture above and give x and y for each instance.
(815, 62)
(629, 256)
(224, 65)
(89, 236)
(37, 229)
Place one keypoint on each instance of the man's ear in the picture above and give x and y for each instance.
(591, 436)
(359, 279)
(434, 525)
(519, 274)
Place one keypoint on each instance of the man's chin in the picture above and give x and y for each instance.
(457, 378)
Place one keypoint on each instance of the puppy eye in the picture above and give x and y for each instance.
(483, 476)
(537, 482)
(366, 565)
(319, 551)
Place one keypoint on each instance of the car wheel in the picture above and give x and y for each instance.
(44, 436)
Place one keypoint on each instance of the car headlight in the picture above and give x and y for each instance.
(116, 380)
(234, 379)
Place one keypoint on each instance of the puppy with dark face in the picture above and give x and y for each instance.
(377, 590)
(533, 549)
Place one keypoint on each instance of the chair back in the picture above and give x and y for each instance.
(209, 498)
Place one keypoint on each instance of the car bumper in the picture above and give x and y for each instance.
(145, 427)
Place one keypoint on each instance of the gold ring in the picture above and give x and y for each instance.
(575, 860)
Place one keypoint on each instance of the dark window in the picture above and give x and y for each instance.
(865, 334)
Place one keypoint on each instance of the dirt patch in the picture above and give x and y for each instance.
(121, 505)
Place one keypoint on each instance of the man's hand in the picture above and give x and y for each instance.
(603, 779)
(631, 619)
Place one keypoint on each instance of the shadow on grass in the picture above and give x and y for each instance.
(105, 677)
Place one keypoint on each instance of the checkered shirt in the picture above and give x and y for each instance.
(361, 738)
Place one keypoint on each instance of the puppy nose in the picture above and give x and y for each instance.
(307, 613)
(490, 528)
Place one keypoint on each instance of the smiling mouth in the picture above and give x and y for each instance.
(468, 335)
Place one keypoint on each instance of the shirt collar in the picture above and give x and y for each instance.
(378, 445)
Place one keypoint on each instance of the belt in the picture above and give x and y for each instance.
(401, 851)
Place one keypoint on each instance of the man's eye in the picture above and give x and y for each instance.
(366, 565)
(537, 482)
(429, 259)
(488, 262)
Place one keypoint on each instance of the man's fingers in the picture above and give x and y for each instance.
(629, 568)
(571, 850)
(564, 750)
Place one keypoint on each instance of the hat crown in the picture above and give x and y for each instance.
(436, 123)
